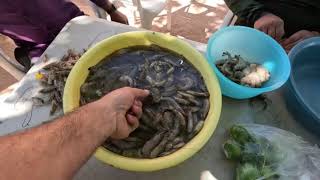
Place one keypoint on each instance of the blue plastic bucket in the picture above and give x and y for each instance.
(303, 88)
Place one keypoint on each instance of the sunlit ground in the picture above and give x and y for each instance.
(196, 20)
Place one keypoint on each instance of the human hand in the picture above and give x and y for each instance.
(117, 16)
(271, 25)
(297, 37)
(121, 110)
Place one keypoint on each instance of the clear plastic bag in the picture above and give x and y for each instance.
(291, 157)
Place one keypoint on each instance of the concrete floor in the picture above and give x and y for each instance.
(195, 20)
(6, 79)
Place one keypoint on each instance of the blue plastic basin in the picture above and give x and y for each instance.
(254, 46)
(303, 92)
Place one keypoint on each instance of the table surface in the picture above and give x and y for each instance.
(83, 32)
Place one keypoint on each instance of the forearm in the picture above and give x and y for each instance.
(250, 10)
(52, 151)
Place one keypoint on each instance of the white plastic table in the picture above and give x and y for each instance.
(80, 33)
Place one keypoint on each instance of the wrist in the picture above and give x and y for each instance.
(101, 117)
(264, 13)
(93, 123)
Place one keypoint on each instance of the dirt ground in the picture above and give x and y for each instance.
(195, 20)
(6, 79)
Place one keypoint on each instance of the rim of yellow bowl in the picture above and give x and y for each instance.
(106, 47)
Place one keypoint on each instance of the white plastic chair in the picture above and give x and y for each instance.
(11, 66)
(229, 19)
(148, 10)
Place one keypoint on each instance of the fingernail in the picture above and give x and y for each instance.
(147, 91)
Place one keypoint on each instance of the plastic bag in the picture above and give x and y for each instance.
(272, 153)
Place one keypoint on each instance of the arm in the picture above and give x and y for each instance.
(250, 10)
(58, 149)
(109, 8)
(258, 16)
(297, 37)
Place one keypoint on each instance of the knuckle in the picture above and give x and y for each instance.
(123, 135)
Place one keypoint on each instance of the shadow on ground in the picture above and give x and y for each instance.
(196, 21)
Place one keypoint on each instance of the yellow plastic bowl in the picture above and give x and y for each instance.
(106, 47)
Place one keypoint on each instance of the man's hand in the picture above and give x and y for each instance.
(68, 142)
(117, 16)
(297, 37)
(122, 110)
(271, 25)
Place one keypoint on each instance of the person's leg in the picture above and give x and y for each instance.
(27, 55)
(22, 56)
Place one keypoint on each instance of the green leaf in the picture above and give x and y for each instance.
(232, 150)
(241, 135)
(247, 172)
